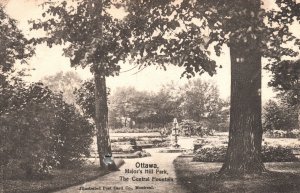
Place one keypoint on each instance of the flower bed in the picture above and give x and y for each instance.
(283, 134)
(269, 154)
(120, 141)
(136, 130)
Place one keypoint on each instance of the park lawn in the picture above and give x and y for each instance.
(201, 177)
(60, 179)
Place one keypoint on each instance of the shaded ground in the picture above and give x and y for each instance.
(187, 177)
(72, 178)
(61, 179)
(111, 183)
(202, 177)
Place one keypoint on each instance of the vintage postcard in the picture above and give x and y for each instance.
(153, 96)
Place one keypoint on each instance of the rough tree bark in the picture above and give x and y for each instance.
(101, 117)
(298, 96)
(245, 132)
(298, 93)
(298, 108)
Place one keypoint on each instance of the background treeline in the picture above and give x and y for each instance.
(197, 101)
(281, 117)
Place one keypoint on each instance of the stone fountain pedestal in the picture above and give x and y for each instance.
(175, 147)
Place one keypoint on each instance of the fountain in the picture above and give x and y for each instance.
(175, 147)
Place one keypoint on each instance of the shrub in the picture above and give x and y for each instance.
(277, 154)
(208, 142)
(269, 154)
(26, 136)
(41, 131)
(135, 130)
(73, 136)
(279, 115)
(189, 127)
(212, 154)
(283, 134)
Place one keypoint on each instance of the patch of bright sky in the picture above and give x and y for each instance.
(49, 61)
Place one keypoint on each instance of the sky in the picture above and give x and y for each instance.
(49, 61)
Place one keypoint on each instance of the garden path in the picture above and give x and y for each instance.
(112, 180)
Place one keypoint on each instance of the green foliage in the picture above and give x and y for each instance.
(64, 83)
(201, 102)
(283, 134)
(213, 154)
(182, 33)
(189, 127)
(74, 135)
(14, 46)
(159, 39)
(135, 130)
(279, 116)
(40, 130)
(90, 35)
(286, 75)
(269, 154)
(167, 104)
(278, 154)
(161, 32)
(25, 127)
(85, 98)
(128, 103)
(286, 79)
(197, 100)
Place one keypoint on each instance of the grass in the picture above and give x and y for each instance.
(60, 179)
(202, 177)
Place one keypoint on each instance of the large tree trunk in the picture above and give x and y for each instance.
(245, 131)
(101, 117)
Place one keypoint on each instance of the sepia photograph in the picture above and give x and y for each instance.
(150, 96)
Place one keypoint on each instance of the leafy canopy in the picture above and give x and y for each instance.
(91, 35)
(167, 32)
(286, 79)
(182, 32)
(13, 44)
(279, 115)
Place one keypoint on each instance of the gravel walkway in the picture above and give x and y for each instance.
(112, 182)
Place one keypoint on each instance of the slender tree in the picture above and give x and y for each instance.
(93, 38)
